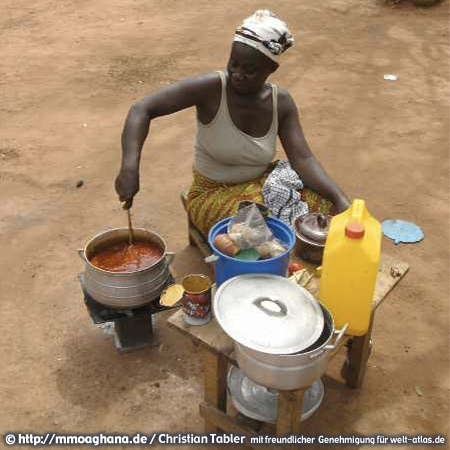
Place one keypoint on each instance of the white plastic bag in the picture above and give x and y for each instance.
(249, 230)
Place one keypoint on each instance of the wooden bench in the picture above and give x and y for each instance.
(218, 352)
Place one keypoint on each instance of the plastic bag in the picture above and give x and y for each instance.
(249, 230)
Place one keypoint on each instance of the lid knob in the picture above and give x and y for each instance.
(354, 230)
(322, 221)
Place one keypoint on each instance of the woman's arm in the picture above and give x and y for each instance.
(300, 157)
(173, 98)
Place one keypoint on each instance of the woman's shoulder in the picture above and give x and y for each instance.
(210, 80)
(200, 84)
(286, 103)
(209, 91)
(284, 96)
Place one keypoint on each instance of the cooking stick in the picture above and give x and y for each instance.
(130, 228)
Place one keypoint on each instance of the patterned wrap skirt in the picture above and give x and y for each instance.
(209, 201)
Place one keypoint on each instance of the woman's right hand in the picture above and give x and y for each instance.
(127, 186)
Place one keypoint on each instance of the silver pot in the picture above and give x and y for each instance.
(123, 290)
(311, 231)
(295, 371)
(268, 313)
(282, 335)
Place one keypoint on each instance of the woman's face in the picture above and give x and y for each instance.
(248, 68)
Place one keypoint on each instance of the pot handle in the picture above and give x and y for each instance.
(340, 334)
(81, 255)
(322, 221)
(169, 256)
(280, 310)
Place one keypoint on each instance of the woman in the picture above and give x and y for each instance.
(239, 116)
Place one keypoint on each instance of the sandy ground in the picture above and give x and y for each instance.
(69, 72)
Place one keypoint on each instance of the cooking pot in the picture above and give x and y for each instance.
(284, 345)
(124, 290)
(295, 371)
(268, 313)
(311, 231)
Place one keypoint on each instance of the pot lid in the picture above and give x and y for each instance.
(259, 403)
(313, 226)
(268, 313)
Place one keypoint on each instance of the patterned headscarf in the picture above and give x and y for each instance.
(265, 32)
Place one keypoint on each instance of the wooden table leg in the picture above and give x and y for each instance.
(289, 412)
(215, 383)
(358, 356)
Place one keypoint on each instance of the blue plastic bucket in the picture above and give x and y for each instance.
(227, 267)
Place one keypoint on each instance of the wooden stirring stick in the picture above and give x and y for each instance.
(130, 226)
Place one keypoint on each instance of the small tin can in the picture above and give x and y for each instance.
(196, 299)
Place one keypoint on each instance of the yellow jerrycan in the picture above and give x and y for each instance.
(350, 266)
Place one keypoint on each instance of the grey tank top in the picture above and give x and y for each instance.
(226, 154)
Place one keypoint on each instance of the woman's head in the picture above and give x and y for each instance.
(257, 46)
(248, 69)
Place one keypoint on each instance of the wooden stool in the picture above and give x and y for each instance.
(217, 352)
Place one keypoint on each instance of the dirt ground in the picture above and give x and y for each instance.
(71, 69)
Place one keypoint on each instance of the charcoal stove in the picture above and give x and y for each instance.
(131, 328)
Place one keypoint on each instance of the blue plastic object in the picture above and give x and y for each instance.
(227, 267)
(402, 231)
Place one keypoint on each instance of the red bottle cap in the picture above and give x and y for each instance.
(354, 230)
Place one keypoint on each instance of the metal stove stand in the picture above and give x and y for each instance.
(133, 327)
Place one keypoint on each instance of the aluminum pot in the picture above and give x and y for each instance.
(268, 313)
(124, 290)
(294, 371)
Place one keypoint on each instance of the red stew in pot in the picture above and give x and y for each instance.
(125, 257)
